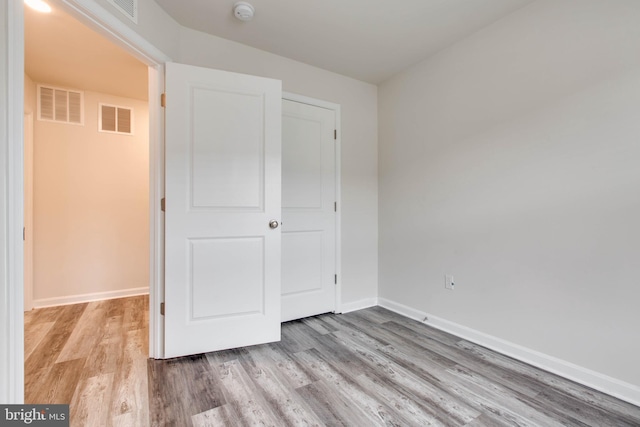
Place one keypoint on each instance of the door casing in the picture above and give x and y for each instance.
(100, 20)
(28, 210)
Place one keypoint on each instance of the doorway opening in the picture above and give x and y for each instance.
(99, 19)
(90, 165)
(86, 194)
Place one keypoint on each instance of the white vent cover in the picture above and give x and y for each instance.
(60, 105)
(129, 8)
(115, 119)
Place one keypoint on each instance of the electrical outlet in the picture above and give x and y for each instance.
(448, 282)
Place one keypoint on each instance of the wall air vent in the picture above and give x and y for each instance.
(115, 119)
(60, 105)
(129, 8)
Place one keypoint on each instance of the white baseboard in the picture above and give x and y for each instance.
(97, 296)
(358, 305)
(611, 386)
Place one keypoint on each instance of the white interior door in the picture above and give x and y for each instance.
(308, 210)
(223, 186)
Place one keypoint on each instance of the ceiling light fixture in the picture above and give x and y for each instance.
(243, 11)
(38, 5)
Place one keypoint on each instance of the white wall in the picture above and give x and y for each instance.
(510, 160)
(91, 203)
(154, 24)
(358, 102)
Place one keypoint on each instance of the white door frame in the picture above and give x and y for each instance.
(100, 20)
(336, 109)
(28, 210)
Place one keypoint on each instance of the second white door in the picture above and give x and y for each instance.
(308, 210)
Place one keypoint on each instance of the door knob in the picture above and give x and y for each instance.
(273, 224)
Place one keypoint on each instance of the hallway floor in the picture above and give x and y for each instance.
(92, 356)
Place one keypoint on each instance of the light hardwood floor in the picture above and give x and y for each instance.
(92, 356)
(367, 368)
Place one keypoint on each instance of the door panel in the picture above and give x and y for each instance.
(223, 186)
(221, 284)
(227, 154)
(302, 257)
(308, 216)
(302, 160)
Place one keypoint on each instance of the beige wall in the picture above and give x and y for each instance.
(510, 160)
(30, 96)
(359, 156)
(91, 225)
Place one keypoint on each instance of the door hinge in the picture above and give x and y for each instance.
(24, 233)
(163, 100)
(162, 204)
(162, 308)
(335, 279)
(335, 134)
(335, 206)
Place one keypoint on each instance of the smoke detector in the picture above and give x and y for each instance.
(243, 11)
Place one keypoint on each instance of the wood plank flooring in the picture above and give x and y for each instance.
(92, 356)
(370, 368)
(367, 368)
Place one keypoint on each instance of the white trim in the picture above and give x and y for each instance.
(404, 310)
(310, 101)
(96, 296)
(13, 335)
(358, 305)
(338, 184)
(28, 210)
(606, 384)
(156, 216)
(339, 287)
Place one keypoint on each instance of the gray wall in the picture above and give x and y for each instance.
(511, 161)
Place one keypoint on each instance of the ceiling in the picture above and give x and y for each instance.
(61, 51)
(369, 40)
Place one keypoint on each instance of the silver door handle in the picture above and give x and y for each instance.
(273, 224)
